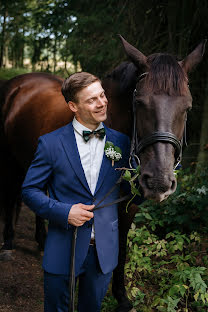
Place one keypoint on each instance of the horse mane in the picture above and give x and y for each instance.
(125, 75)
(165, 75)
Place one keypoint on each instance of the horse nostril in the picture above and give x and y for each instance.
(155, 184)
(173, 185)
(145, 181)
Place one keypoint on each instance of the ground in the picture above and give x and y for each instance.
(21, 280)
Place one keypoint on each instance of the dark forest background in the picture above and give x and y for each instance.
(62, 36)
(167, 258)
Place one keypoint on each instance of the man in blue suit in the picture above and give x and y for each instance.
(71, 165)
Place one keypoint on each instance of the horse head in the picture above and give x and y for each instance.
(161, 101)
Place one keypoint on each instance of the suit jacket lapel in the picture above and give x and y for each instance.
(70, 146)
(106, 163)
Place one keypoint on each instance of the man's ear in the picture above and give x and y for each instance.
(72, 106)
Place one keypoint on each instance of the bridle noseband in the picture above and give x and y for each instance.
(137, 146)
(157, 136)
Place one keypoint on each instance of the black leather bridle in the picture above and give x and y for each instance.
(137, 146)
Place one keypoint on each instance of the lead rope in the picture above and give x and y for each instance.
(72, 283)
(183, 141)
(134, 140)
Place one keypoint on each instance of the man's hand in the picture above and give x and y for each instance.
(79, 214)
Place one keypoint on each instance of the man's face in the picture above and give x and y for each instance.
(91, 106)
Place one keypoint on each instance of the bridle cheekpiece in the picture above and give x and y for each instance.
(137, 146)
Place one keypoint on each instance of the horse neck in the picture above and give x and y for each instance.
(119, 87)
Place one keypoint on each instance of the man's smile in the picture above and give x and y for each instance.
(101, 111)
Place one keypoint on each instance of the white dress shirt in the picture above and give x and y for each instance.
(91, 155)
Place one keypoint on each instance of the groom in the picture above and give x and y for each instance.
(70, 164)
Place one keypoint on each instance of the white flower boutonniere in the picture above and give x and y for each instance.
(112, 152)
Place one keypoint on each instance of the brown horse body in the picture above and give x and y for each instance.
(32, 105)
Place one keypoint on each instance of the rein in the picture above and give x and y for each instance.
(74, 238)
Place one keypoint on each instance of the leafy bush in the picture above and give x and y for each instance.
(166, 274)
(186, 209)
(167, 249)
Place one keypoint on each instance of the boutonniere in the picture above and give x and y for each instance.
(112, 152)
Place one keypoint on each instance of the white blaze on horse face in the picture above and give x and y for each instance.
(91, 108)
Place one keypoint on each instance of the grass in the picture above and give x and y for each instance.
(8, 73)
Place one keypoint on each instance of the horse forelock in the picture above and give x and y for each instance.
(165, 75)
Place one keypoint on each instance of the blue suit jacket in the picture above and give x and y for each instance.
(57, 168)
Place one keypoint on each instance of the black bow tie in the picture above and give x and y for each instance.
(98, 133)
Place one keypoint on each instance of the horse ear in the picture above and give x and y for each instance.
(137, 57)
(194, 57)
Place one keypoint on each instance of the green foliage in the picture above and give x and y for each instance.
(186, 209)
(164, 274)
(166, 269)
(109, 303)
(131, 175)
(8, 73)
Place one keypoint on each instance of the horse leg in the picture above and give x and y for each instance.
(40, 233)
(10, 218)
(8, 232)
(118, 287)
(10, 202)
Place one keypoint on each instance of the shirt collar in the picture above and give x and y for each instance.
(80, 128)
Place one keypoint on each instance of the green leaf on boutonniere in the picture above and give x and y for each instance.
(112, 152)
(108, 144)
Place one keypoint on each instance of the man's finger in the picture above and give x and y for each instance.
(86, 217)
(88, 207)
(87, 214)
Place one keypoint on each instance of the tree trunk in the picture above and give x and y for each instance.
(22, 57)
(23, 49)
(3, 37)
(54, 54)
(203, 152)
(6, 57)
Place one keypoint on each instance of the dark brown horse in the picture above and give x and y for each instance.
(32, 105)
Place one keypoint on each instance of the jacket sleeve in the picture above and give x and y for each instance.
(34, 189)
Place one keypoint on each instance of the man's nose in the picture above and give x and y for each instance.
(102, 101)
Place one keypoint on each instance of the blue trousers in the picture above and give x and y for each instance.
(93, 285)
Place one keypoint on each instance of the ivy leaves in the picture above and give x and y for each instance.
(131, 175)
